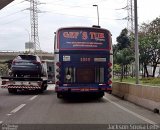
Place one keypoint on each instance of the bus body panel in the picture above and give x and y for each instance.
(81, 70)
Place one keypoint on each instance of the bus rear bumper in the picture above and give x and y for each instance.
(83, 89)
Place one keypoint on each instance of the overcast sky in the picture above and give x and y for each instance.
(15, 19)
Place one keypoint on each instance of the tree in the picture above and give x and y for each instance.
(149, 39)
(144, 47)
(124, 58)
(155, 43)
(123, 54)
(123, 40)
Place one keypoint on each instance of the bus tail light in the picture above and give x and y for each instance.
(109, 64)
(58, 64)
(109, 76)
(58, 70)
(58, 76)
(109, 82)
(58, 83)
(110, 70)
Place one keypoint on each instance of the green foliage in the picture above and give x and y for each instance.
(149, 47)
(149, 44)
(122, 52)
(123, 40)
(145, 81)
(123, 55)
(127, 80)
(151, 80)
(117, 69)
(3, 69)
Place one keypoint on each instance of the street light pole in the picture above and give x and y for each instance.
(136, 43)
(97, 13)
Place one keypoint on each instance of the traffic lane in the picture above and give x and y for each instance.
(8, 102)
(47, 109)
(148, 114)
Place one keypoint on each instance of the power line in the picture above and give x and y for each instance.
(18, 19)
(102, 18)
(12, 14)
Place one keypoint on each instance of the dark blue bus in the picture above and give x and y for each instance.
(83, 60)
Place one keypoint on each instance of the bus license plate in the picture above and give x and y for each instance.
(85, 89)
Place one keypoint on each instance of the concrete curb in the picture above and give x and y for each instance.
(145, 96)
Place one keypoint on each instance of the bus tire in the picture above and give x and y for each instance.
(110, 91)
(59, 95)
(12, 90)
(100, 94)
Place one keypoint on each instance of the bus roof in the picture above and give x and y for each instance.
(80, 27)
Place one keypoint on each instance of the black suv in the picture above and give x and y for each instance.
(26, 65)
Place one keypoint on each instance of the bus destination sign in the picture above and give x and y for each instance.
(83, 39)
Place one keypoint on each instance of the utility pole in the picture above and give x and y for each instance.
(34, 24)
(130, 10)
(132, 26)
(136, 42)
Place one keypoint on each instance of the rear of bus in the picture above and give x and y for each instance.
(82, 61)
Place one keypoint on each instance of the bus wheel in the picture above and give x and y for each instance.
(100, 94)
(110, 91)
(59, 95)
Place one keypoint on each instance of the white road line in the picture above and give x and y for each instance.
(18, 108)
(131, 112)
(51, 87)
(1, 122)
(8, 114)
(32, 98)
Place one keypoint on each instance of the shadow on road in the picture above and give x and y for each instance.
(82, 98)
(33, 92)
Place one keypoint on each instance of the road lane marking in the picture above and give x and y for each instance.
(8, 114)
(32, 98)
(51, 87)
(1, 122)
(131, 112)
(18, 108)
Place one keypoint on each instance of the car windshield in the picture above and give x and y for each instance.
(26, 57)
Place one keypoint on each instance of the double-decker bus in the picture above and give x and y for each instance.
(83, 60)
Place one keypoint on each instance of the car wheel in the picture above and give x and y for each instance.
(12, 90)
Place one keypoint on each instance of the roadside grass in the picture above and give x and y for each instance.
(145, 81)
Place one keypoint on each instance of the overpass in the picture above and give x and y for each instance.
(10, 55)
(4, 3)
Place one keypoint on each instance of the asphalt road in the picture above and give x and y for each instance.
(44, 109)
